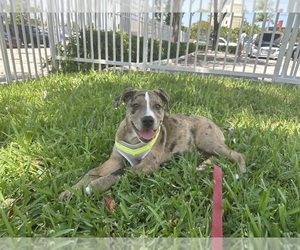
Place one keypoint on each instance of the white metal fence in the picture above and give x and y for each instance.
(39, 36)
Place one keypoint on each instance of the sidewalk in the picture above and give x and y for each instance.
(25, 65)
(33, 64)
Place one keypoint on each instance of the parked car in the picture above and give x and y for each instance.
(12, 42)
(221, 42)
(37, 35)
(224, 42)
(265, 49)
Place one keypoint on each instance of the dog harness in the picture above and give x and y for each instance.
(137, 152)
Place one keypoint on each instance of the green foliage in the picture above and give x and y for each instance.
(202, 26)
(231, 49)
(54, 129)
(267, 8)
(114, 46)
(224, 32)
(234, 36)
(25, 17)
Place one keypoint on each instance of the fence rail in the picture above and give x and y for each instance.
(44, 36)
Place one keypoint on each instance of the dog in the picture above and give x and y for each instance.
(147, 137)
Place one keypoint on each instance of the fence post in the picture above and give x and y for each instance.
(293, 21)
(145, 42)
(51, 40)
(4, 53)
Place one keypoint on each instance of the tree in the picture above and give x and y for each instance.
(246, 27)
(224, 31)
(218, 18)
(166, 16)
(177, 16)
(22, 12)
(267, 7)
(203, 25)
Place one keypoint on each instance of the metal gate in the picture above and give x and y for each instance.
(144, 35)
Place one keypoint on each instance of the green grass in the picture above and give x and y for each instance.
(54, 129)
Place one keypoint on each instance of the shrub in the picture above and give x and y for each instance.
(78, 47)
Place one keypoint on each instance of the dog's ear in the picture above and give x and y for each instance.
(124, 97)
(163, 95)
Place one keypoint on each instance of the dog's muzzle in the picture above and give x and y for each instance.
(147, 131)
(147, 121)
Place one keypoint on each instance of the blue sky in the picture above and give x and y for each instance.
(248, 16)
(249, 6)
(194, 6)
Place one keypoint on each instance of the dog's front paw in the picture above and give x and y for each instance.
(204, 165)
(102, 184)
(201, 167)
(65, 195)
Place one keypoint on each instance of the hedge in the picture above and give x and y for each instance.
(71, 50)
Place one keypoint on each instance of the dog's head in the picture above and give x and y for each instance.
(144, 110)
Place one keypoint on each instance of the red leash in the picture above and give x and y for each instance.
(217, 228)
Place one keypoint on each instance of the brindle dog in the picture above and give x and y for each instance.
(147, 137)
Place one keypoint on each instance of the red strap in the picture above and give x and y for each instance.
(217, 229)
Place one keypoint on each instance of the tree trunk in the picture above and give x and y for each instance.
(176, 26)
(176, 22)
(216, 22)
(216, 29)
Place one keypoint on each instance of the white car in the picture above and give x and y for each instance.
(223, 41)
(261, 45)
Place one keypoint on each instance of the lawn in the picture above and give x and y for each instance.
(54, 129)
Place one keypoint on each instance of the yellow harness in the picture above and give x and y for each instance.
(135, 153)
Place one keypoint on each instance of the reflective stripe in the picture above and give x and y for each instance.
(137, 152)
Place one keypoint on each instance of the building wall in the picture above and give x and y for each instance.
(234, 15)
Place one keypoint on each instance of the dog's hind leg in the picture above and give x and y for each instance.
(223, 150)
(234, 157)
(210, 140)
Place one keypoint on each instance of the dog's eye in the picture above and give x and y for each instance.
(135, 105)
(158, 106)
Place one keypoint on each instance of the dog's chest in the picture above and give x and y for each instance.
(133, 153)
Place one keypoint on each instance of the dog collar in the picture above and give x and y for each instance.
(135, 153)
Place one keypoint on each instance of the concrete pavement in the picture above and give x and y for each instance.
(32, 62)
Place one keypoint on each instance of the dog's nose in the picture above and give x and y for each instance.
(147, 121)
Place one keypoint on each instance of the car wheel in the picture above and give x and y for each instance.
(251, 53)
(35, 44)
(293, 55)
